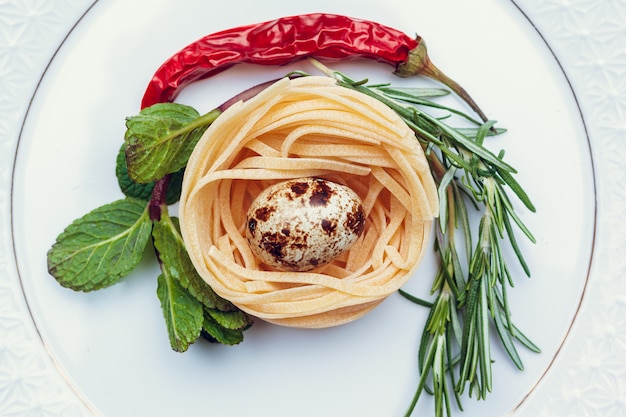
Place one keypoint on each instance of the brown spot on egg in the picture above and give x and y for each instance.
(355, 220)
(299, 187)
(263, 213)
(321, 193)
(273, 244)
(328, 226)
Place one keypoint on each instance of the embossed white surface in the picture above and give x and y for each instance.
(30, 32)
(588, 378)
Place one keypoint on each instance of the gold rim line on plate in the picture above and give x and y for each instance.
(62, 373)
(590, 264)
(517, 407)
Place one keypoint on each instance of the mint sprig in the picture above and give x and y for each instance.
(105, 245)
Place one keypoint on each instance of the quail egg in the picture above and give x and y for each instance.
(302, 224)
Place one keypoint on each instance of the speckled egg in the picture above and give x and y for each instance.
(301, 224)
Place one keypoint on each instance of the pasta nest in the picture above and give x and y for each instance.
(308, 127)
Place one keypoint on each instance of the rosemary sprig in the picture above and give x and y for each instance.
(471, 285)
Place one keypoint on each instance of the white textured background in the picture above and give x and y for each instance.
(589, 39)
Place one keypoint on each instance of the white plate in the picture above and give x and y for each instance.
(111, 346)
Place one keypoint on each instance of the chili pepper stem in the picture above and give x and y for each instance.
(419, 62)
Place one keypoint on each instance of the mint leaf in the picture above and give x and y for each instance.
(173, 255)
(234, 320)
(213, 332)
(101, 247)
(143, 191)
(183, 313)
(160, 139)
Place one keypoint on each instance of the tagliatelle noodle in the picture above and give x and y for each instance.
(308, 127)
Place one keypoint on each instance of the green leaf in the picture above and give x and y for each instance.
(173, 255)
(507, 340)
(517, 189)
(101, 247)
(414, 299)
(143, 191)
(234, 320)
(472, 132)
(159, 140)
(183, 313)
(410, 93)
(214, 332)
(442, 191)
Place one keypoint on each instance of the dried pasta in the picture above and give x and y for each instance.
(308, 127)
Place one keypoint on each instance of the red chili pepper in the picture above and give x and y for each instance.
(285, 40)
